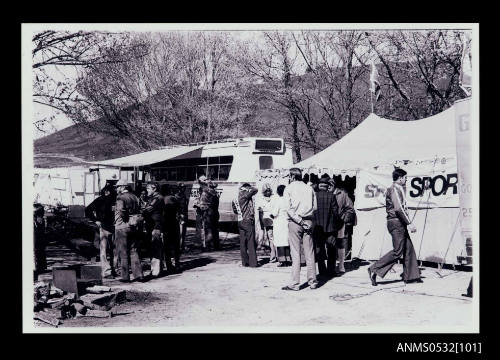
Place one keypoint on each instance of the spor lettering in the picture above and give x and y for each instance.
(439, 185)
(372, 191)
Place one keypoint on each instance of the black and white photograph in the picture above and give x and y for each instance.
(249, 178)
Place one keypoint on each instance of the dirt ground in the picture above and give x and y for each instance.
(215, 293)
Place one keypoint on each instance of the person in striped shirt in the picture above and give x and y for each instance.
(398, 224)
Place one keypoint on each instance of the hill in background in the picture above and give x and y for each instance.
(76, 144)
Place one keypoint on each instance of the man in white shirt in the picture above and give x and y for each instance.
(301, 201)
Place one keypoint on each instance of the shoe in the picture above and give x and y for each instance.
(281, 265)
(373, 277)
(413, 281)
(289, 288)
(273, 260)
(313, 286)
(124, 281)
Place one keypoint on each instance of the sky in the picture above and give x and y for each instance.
(248, 32)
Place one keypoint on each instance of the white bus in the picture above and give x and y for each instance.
(228, 162)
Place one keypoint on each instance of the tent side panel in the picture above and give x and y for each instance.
(438, 241)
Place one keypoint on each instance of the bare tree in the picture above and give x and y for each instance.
(58, 57)
(336, 63)
(421, 69)
(185, 89)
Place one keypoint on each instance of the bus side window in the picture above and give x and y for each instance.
(224, 172)
(213, 172)
(265, 162)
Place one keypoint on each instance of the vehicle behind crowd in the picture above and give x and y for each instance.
(228, 163)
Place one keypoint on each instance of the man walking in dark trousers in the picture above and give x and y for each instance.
(126, 237)
(398, 224)
(326, 224)
(244, 207)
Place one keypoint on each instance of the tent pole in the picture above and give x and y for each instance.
(440, 266)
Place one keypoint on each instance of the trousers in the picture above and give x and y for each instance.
(157, 252)
(402, 246)
(106, 245)
(208, 220)
(268, 230)
(296, 236)
(325, 250)
(172, 243)
(247, 243)
(127, 245)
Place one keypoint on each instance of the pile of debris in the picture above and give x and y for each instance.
(51, 304)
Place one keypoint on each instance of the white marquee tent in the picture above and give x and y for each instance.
(427, 150)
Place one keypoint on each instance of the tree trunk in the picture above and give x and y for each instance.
(296, 139)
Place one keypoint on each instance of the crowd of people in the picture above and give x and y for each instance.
(154, 219)
(310, 220)
(307, 222)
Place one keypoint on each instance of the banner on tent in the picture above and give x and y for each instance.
(464, 164)
(429, 185)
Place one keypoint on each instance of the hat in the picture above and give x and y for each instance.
(181, 184)
(324, 181)
(121, 182)
(202, 178)
(244, 186)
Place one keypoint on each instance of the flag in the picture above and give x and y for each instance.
(374, 83)
(466, 65)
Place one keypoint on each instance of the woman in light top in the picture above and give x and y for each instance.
(280, 222)
(264, 204)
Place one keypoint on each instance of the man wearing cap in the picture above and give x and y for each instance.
(101, 212)
(153, 215)
(127, 211)
(301, 201)
(206, 215)
(243, 206)
(326, 225)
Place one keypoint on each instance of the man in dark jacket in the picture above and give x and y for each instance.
(153, 217)
(347, 215)
(171, 230)
(244, 207)
(398, 223)
(208, 216)
(326, 224)
(126, 238)
(101, 212)
(183, 201)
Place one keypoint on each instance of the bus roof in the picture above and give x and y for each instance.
(175, 151)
